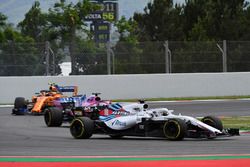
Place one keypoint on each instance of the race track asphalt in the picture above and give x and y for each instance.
(29, 136)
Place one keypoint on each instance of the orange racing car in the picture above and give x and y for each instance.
(42, 100)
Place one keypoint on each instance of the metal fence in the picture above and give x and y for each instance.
(124, 57)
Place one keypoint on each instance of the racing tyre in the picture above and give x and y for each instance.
(19, 102)
(213, 121)
(82, 128)
(19, 106)
(174, 129)
(53, 117)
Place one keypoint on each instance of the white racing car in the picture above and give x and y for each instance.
(137, 120)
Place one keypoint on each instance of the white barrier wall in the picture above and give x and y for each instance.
(132, 86)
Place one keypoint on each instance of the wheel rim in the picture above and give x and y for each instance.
(172, 130)
(77, 128)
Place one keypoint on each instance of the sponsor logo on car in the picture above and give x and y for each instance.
(118, 123)
(121, 113)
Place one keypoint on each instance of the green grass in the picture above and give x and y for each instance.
(243, 123)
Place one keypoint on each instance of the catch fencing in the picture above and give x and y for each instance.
(43, 59)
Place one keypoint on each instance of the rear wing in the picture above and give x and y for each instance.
(73, 89)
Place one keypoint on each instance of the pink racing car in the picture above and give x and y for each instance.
(67, 108)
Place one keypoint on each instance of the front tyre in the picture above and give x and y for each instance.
(175, 129)
(213, 121)
(82, 128)
(53, 117)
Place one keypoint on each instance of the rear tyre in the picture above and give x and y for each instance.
(20, 106)
(82, 128)
(175, 129)
(213, 121)
(20, 102)
(53, 117)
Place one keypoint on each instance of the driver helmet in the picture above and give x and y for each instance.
(53, 88)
